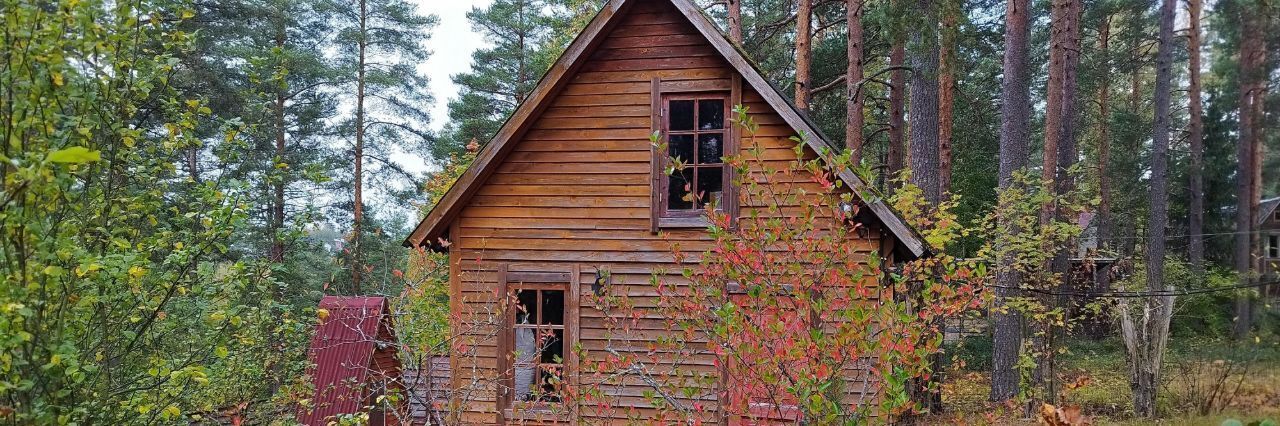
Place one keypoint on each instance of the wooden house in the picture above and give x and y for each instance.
(571, 188)
(353, 362)
(1269, 228)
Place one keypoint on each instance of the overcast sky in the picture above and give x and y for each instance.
(451, 44)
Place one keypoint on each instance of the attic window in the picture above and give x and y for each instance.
(695, 128)
(695, 143)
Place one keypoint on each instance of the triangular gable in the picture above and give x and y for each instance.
(437, 221)
(1267, 209)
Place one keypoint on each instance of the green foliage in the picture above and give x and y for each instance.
(117, 305)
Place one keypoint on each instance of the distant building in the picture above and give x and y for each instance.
(1269, 228)
(353, 363)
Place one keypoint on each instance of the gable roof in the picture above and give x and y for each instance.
(437, 221)
(1266, 209)
(341, 355)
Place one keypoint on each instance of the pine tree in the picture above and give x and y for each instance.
(922, 55)
(380, 44)
(1015, 139)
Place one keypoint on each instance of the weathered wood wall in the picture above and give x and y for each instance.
(576, 191)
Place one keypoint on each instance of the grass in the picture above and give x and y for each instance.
(1249, 375)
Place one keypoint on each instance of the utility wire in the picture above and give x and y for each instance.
(1132, 294)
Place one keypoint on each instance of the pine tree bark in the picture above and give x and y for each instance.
(276, 254)
(854, 120)
(1059, 122)
(1102, 276)
(1147, 335)
(946, 98)
(897, 125)
(735, 21)
(357, 210)
(923, 114)
(804, 53)
(1058, 158)
(1195, 225)
(1015, 141)
(1251, 60)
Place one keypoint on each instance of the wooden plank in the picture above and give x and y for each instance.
(574, 168)
(583, 88)
(566, 180)
(598, 99)
(575, 157)
(601, 122)
(611, 111)
(645, 75)
(560, 201)
(555, 212)
(707, 85)
(586, 145)
(649, 30)
(654, 64)
(580, 190)
(656, 51)
(638, 135)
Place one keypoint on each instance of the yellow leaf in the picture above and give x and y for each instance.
(57, 78)
(75, 154)
(322, 313)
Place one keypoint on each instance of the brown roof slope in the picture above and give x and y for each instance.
(436, 222)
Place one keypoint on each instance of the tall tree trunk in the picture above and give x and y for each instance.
(1058, 157)
(1102, 275)
(735, 21)
(854, 119)
(1146, 339)
(1195, 225)
(1058, 118)
(193, 164)
(923, 114)
(897, 102)
(946, 96)
(804, 52)
(1015, 141)
(357, 258)
(276, 254)
(1251, 60)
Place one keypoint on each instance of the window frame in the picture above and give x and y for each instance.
(510, 282)
(1273, 246)
(662, 92)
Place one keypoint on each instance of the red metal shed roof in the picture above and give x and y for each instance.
(340, 355)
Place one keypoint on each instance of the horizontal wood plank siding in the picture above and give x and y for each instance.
(574, 190)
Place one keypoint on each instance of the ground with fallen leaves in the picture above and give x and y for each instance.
(1235, 381)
